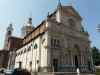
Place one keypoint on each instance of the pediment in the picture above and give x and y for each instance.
(71, 10)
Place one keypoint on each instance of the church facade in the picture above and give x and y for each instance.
(59, 41)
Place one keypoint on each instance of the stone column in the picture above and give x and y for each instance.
(72, 58)
(67, 21)
(59, 16)
(81, 61)
(48, 38)
(92, 61)
(48, 57)
(48, 42)
(48, 24)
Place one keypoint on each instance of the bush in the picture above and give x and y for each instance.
(97, 73)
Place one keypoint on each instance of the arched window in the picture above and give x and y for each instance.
(43, 41)
(27, 32)
(76, 47)
(29, 49)
(9, 32)
(22, 52)
(35, 46)
(25, 50)
(19, 53)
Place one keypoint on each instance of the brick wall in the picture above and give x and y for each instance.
(14, 43)
(34, 33)
(4, 55)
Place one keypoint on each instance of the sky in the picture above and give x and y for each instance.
(18, 12)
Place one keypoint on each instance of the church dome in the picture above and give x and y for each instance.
(28, 24)
(27, 29)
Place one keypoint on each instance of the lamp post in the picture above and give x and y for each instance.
(99, 28)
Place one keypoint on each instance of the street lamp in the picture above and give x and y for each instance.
(99, 28)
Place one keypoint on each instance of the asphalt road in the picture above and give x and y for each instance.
(2, 74)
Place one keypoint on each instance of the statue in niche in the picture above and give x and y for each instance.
(71, 22)
(76, 47)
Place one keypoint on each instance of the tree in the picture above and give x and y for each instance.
(95, 55)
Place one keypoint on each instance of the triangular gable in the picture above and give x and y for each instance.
(72, 11)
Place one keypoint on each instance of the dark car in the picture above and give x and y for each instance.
(20, 72)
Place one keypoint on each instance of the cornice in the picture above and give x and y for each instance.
(69, 50)
(51, 20)
(59, 32)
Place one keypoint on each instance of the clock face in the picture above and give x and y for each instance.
(9, 32)
(71, 22)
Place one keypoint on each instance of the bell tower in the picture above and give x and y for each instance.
(8, 34)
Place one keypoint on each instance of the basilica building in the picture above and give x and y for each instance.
(59, 41)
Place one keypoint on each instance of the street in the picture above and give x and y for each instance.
(2, 74)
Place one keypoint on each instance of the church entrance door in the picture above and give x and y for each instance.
(76, 61)
(89, 65)
(55, 64)
(20, 64)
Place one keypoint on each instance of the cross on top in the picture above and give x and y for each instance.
(59, 1)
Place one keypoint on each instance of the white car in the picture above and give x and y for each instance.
(2, 70)
(7, 71)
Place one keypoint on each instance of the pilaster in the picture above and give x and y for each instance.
(59, 16)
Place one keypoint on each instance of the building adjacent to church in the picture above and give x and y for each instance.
(59, 41)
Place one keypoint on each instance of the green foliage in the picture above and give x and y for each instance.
(96, 56)
(97, 73)
(31, 72)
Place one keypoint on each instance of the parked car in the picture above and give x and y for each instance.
(2, 70)
(20, 72)
(7, 71)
